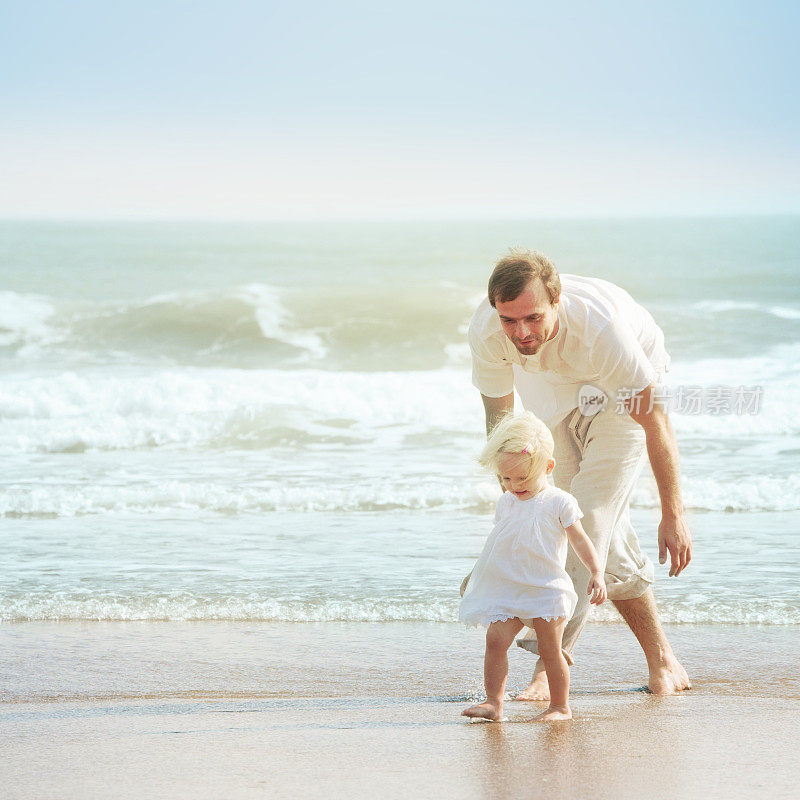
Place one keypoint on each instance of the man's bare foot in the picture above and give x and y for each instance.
(554, 713)
(485, 710)
(668, 677)
(537, 689)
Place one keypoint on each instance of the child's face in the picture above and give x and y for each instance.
(514, 469)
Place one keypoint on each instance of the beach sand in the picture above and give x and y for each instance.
(239, 710)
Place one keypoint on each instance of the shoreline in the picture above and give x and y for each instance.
(72, 660)
(359, 710)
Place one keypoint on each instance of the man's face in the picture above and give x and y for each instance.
(529, 320)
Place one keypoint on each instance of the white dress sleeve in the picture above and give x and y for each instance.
(569, 512)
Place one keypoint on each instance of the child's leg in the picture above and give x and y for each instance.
(548, 635)
(499, 637)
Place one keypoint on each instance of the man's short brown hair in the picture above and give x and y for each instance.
(514, 272)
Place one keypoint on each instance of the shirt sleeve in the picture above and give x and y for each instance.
(492, 375)
(620, 361)
(569, 512)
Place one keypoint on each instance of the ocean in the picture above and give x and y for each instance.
(274, 422)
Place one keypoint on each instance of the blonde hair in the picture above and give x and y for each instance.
(522, 434)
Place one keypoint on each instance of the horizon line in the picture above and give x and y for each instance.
(630, 216)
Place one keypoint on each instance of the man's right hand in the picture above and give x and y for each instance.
(675, 538)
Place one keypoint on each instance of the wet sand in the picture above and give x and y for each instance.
(239, 710)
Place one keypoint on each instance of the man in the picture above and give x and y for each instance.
(587, 359)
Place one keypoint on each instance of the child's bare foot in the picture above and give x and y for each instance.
(485, 710)
(554, 713)
(538, 689)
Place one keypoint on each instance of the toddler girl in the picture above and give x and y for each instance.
(519, 579)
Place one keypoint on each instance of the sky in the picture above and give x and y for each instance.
(266, 110)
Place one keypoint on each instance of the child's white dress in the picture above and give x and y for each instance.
(520, 572)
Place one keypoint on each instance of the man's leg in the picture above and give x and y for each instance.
(611, 457)
(666, 673)
(629, 573)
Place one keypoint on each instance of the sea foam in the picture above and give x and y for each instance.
(253, 607)
(348, 494)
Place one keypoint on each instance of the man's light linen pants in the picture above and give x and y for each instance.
(598, 460)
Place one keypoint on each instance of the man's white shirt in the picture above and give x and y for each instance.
(605, 338)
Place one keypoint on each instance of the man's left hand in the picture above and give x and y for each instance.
(674, 537)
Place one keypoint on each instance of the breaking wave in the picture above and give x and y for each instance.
(249, 326)
(187, 606)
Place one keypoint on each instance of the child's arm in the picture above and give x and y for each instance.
(583, 546)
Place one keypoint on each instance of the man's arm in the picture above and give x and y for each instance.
(673, 532)
(496, 408)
